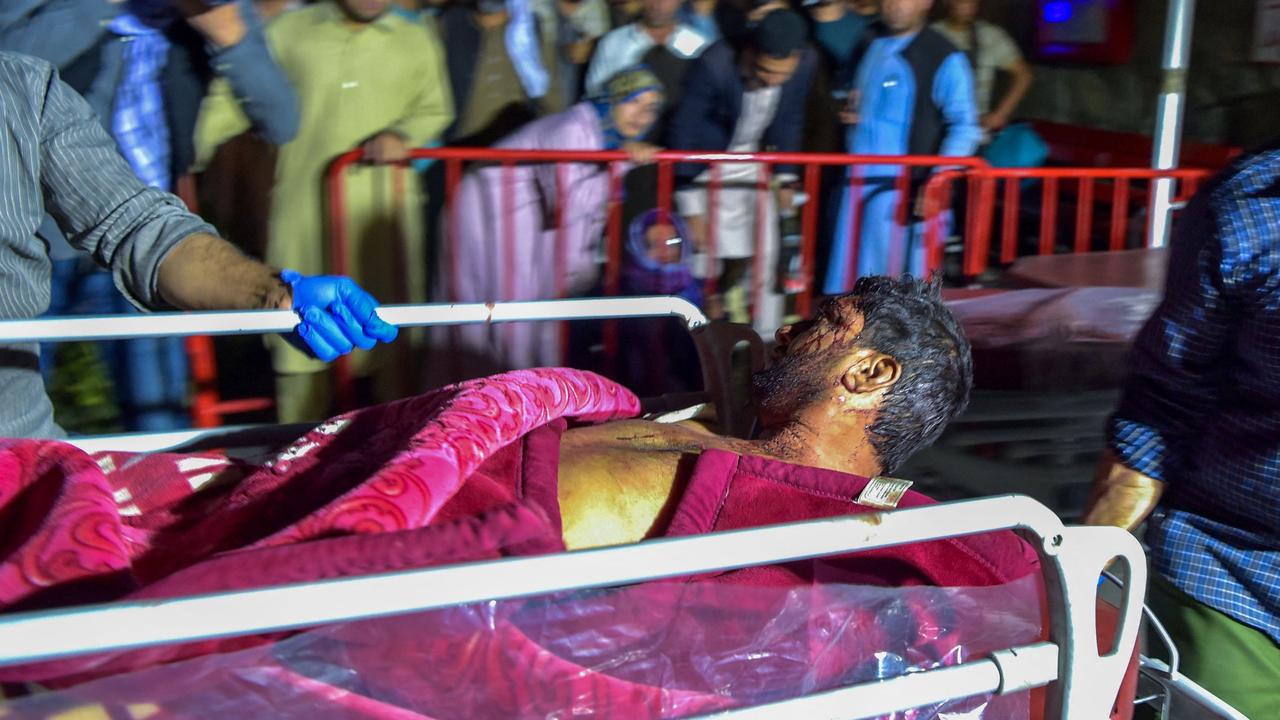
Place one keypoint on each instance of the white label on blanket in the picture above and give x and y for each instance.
(883, 492)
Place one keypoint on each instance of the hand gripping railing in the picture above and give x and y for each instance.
(1083, 683)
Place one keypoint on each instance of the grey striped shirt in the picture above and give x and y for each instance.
(56, 158)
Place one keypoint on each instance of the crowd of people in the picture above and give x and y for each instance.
(173, 81)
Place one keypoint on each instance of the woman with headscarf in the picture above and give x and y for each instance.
(502, 245)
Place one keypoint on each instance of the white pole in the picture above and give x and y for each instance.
(1169, 114)
(248, 322)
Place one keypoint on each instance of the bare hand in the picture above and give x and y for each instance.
(385, 148)
(697, 225)
(786, 199)
(851, 114)
(579, 52)
(993, 121)
(641, 153)
(1120, 496)
(221, 25)
(567, 8)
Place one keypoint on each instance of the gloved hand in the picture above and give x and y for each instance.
(336, 315)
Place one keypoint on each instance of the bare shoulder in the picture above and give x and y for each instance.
(616, 478)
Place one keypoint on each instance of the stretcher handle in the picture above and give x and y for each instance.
(261, 322)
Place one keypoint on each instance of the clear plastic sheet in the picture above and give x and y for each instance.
(670, 649)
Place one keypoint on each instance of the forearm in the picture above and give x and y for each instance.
(1121, 496)
(241, 55)
(1018, 90)
(205, 272)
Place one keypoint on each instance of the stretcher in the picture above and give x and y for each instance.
(1080, 682)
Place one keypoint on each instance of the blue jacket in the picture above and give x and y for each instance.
(708, 113)
(73, 35)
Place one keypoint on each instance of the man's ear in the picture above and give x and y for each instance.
(870, 373)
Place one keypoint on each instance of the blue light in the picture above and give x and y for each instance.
(1059, 11)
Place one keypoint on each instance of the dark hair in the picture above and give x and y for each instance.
(781, 34)
(906, 319)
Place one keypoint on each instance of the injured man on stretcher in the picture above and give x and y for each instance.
(873, 377)
(493, 467)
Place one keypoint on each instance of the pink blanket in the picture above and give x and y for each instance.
(446, 477)
(469, 473)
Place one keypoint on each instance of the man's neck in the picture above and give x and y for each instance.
(659, 34)
(829, 12)
(960, 26)
(489, 21)
(801, 441)
(915, 28)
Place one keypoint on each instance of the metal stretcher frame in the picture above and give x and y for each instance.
(1082, 683)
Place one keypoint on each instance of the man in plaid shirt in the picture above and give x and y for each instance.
(1195, 443)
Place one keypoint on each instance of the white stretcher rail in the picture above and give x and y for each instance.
(257, 322)
(1085, 687)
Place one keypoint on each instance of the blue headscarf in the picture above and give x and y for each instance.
(627, 85)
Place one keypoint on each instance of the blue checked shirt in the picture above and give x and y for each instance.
(138, 120)
(1201, 409)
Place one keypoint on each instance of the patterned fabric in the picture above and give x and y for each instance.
(55, 158)
(377, 470)
(138, 119)
(1201, 411)
(666, 649)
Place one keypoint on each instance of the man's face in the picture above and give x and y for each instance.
(964, 11)
(772, 71)
(905, 15)
(364, 11)
(660, 13)
(806, 360)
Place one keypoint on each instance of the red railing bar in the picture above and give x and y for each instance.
(1048, 215)
(1119, 212)
(772, 158)
(665, 188)
(1009, 240)
(977, 240)
(1084, 216)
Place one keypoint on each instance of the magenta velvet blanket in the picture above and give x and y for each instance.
(468, 473)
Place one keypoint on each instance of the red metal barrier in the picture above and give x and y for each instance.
(1110, 192)
(809, 179)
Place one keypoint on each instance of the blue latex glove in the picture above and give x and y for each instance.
(336, 314)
